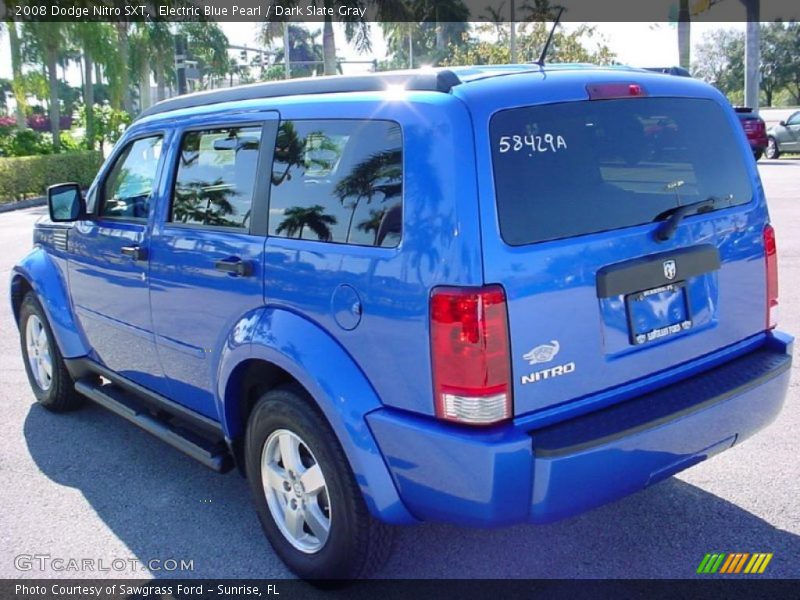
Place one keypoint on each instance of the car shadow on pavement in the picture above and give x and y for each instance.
(161, 504)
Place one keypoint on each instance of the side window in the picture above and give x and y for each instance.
(338, 181)
(216, 177)
(794, 119)
(127, 188)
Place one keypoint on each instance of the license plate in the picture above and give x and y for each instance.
(658, 313)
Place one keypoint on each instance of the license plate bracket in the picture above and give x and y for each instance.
(658, 313)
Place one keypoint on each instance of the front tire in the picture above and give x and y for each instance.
(773, 151)
(306, 496)
(47, 374)
(757, 154)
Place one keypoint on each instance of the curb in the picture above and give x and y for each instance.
(30, 202)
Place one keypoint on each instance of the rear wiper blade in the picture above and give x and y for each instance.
(672, 217)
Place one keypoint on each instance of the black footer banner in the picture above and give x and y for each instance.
(505, 589)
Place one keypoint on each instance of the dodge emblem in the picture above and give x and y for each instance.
(670, 269)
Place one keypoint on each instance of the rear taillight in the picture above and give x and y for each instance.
(771, 253)
(470, 355)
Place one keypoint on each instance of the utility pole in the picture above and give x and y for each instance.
(513, 36)
(684, 35)
(180, 63)
(752, 53)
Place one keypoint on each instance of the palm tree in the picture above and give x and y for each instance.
(208, 45)
(380, 173)
(140, 61)
(494, 15)
(203, 202)
(17, 82)
(47, 39)
(92, 37)
(356, 31)
(424, 28)
(123, 47)
(373, 224)
(162, 55)
(289, 150)
(303, 47)
(314, 217)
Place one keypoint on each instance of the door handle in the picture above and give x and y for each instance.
(235, 266)
(135, 252)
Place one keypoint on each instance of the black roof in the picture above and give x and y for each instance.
(430, 81)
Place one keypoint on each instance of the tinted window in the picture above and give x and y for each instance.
(127, 189)
(794, 119)
(563, 170)
(216, 177)
(338, 181)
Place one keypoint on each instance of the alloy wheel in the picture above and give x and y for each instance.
(40, 359)
(296, 491)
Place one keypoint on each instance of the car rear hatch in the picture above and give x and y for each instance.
(628, 247)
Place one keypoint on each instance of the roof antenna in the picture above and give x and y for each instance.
(542, 56)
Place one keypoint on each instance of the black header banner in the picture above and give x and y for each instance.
(400, 10)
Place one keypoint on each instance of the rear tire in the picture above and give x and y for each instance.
(773, 151)
(307, 499)
(50, 381)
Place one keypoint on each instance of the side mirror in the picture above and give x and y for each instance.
(782, 123)
(66, 203)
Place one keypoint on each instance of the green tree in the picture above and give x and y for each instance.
(583, 44)
(208, 45)
(793, 34)
(778, 58)
(423, 32)
(162, 56)
(719, 60)
(94, 40)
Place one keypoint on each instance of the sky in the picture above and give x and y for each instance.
(635, 44)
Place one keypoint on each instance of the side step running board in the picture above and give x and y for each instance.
(213, 455)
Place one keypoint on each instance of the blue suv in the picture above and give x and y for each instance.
(483, 296)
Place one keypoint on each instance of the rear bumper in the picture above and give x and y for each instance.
(758, 143)
(508, 475)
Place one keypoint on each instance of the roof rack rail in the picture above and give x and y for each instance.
(430, 81)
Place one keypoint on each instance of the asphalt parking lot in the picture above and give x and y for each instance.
(89, 485)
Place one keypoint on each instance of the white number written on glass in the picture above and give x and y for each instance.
(530, 143)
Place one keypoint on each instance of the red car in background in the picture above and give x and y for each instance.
(754, 128)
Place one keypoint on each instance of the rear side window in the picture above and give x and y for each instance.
(216, 177)
(338, 181)
(564, 170)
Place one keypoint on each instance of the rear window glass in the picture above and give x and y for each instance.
(563, 170)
